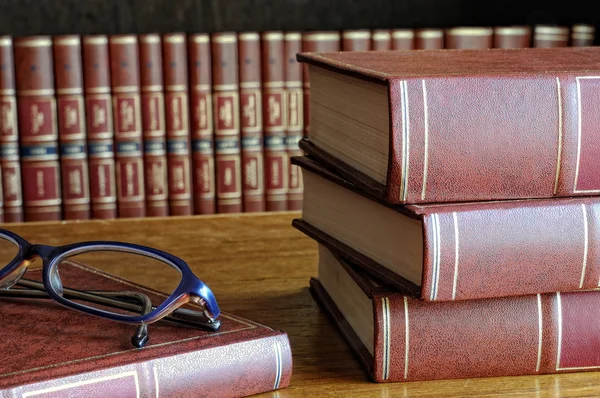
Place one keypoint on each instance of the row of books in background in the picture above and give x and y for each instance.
(178, 124)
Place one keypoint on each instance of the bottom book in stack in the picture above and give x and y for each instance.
(398, 338)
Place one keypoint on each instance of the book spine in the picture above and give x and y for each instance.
(512, 37)
(178, 125)
(203, 161)
(564, 118)
(429, 39)
(531, 335)
(356, 40)
(251, 121)
(68, 76)
(99, 123)
(274, 106)
(469, 37)
(36, 109)
(545, 36)
(323, 41)
(294, 117)
(403, 39)
(226, 122)
(381, 40)
(9, 136)
(153, 125)
(236, 369)
(125, 84)
(582, 35)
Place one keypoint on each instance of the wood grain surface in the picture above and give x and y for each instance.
(259, 267)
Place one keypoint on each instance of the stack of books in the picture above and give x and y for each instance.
(455, 199)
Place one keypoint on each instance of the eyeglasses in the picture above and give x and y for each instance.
(62, 282)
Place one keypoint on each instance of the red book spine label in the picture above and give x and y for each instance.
(201, 110)
(9, 137)
(125, 81)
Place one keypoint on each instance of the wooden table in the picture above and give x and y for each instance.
(258, 266)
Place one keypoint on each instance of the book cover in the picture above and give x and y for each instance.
(548, 36)
(403, 39)
(512, 36)
(429, 39)
(381, 40)
(469, 37)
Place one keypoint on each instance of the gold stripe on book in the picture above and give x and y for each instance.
(456, 251)
(175, 39)
(225, 39)
(403, 34)
(469, 31)
(322, 36)
(435, 269)
(95, 40)
(34, 43)
(540, 324)
(560, 112)
(200, 38)
(406, 338)
(5, 41)
(278, 366)
(156, 387)
(511, 30)
(385, 306)
(559, 326)
(426, 139)
(430, 34)
(405, 139)
(124, 40)
(585, 244)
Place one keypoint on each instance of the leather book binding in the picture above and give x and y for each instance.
(381, 40)
(317, 41)
(73, 354)
(36, 110)
(153, 125)
(512, 37)
(9, 135)
(201, 119)
(469, 37)
(547, 36)
(99, 124)
(582, 35)
(468, 250)
(178, 124)
(460, 123)
(251, 122)
(412, 340)
(224, 50)
(294, 116)
(68, 76)
(356, 40)
(429, 39)
(403, 39)
(274, 106)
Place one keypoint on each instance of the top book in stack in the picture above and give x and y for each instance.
(458, 125)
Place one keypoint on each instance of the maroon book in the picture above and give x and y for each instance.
(459, 123)
(178, 125)
(227, 122)
(512, 36)
(74, 354)
(356, 40)
(381, 40)
(153, 125)
(203, 156)
(403, 39)
(274, 106)
(36, 109)
(251, 121)
(125, 83)
(9, 135)
(582, 35)
(99, 123)
(547, 36)
(68, 75)
(294, 116)
(398, 339)
(429, 39)
(469, 37)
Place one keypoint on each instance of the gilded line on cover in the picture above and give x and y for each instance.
(386, 337)
(455, 218)
(405, 139)
(407, 345)
(585, 244)
(560, 134)
(278, 365)
(435, 272)
(559, 320)
(426, 140)
(539, 356)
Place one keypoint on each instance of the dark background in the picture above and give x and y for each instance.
(28, 17)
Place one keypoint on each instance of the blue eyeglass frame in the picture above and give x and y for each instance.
(190, 288)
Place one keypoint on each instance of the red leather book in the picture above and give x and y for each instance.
(546, 36)
(99, 123)
(429, 39)
(226, 122)
(398, 339)
(318, 41)
(582, 35)
(68, 76)
(178, 124)
(512, 36)
(403, 39)
(9, 135)
(251, 121)
(274, 106)
(73, 354)
(36, 110)
(294, 116)
(469, 37)
(381, 40)
(356, 40)
(125, 83)
(203, 160)
(153, 125)
(459, 124)
(457, 251)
